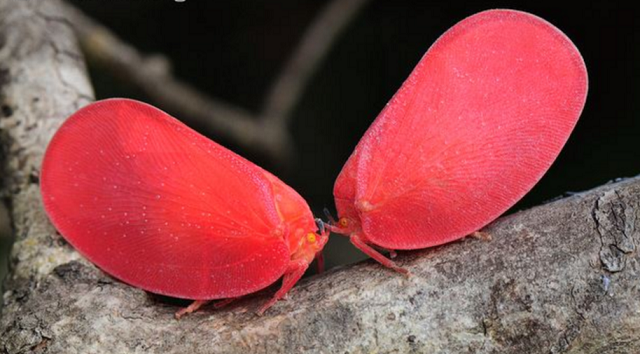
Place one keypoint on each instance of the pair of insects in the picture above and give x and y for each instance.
(474, 127)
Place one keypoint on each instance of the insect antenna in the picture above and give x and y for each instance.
(321, 226)
(332, 224)
(327, 214)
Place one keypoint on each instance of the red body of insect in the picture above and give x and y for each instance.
(477, 123)
(161, 207)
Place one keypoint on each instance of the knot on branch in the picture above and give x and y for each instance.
(616, 225)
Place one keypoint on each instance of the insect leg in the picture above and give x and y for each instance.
(191, 308)
(371, 252)
(224, 302)
(320, 262)
(291, 276)
(481, 235)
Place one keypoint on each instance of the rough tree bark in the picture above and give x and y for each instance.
(558, 278)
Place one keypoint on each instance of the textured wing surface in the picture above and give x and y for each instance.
(161, 207)
(474, 127)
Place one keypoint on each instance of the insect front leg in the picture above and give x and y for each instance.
(294, 272)
(360, 244)
(320, 262)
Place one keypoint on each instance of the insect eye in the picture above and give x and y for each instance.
(311, 237)
(343, 222)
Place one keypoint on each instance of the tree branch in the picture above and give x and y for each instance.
(307, 57)
(558, 278)
(267, 131)
(42, 81)
(152, 75)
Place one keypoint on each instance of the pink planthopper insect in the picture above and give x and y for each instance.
(163, 208)
(475, 126)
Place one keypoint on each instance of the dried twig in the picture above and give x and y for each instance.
(152, 75)
(266, 131)
(312, 49)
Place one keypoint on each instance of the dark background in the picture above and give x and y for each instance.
(233, 50)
